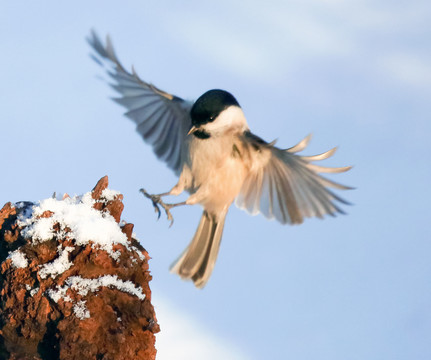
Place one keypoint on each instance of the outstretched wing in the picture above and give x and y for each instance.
(162, 119)
(286, 186)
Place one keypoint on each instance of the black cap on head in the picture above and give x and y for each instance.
(210, 105)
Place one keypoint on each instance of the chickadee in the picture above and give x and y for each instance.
(209, 145)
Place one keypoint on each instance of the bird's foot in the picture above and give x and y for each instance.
(157, 201)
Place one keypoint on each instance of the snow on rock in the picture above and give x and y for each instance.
(83, 286)
(74, 280)
(34, 291)
(18, 259)
(76, 218)
(80, 310)
(59, 265)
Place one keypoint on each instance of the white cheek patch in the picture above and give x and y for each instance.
(232, 117)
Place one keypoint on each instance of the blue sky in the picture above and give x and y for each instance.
(356, 74)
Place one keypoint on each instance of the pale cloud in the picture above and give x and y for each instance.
(183, 337)
(221, 45)
(308, 30)
(285, 35)
(408, 69)
(281, 36)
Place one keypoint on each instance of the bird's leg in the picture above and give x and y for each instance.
(157, 200)
(168, 207)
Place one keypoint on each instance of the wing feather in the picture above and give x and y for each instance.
(163, 120)
(154, 133)
(151, 123)
(301, 145)
(137, 101)
(287, 186)
(129, 90)
(323, 156)
(166, 137)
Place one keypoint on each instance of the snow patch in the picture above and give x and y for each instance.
(25, 208)
(34, 291)
(59, 265)
(77, 219)
(83, 286)
(18, 259)
(58, 294)
(110, 195)
(81, 310)
(138, 252)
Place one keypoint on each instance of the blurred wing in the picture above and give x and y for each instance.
(286, 186)
(162, 119)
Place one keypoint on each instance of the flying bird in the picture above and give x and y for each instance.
(209, 145)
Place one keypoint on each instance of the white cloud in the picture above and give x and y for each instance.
(182, 337)
(408, 68)
(281, 36)
(277, 38)
(306, 31)
(221, 44)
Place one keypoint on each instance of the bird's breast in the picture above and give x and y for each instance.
(218, 170)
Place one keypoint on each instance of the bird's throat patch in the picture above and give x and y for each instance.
(201, 134)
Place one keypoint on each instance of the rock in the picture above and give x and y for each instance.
(74, 281)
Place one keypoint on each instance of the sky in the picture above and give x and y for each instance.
(356, 74)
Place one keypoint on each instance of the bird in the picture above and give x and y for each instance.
(219, 161)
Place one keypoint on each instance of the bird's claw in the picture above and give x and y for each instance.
(157, 201)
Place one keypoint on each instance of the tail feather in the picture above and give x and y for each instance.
(198, 259)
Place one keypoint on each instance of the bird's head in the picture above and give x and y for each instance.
(215, 112)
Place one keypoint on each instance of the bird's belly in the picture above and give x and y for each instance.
(218, 177)
(222, 186)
